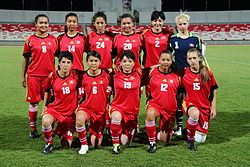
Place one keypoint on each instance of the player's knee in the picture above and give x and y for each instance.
(116, 116)
(200, 137)
(80, 119)
(124, 139)
(194, 113)
(47, 120)
(150, 115)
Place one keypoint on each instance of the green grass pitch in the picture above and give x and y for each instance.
(227, 142)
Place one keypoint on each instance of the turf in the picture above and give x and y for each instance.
(227, 143)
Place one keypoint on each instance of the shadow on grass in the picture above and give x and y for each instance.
(15, 130)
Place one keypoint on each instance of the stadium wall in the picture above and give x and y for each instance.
(57, 17)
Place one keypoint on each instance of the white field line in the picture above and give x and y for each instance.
(229, 61)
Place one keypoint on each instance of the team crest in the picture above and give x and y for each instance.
(49, 43)
(106, 39)
(78, 42)
(133, 40)
(71, 82)
(191, 44)
(171, 81)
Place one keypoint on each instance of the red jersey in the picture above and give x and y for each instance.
(163, 89)
(102, 43)
(75, 45)
(197, 93)
(42, 52)
(127, 92)
(154, 44)
(131, 42)
(96, 89)
(65, 93)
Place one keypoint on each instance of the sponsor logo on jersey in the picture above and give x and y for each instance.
(164, 80)
(71, 42)
(126, 79)
(196, 79)
(100, 39)
(157, 38)
(127, 40)
(94, 83)
(43, 43)
(64, 84)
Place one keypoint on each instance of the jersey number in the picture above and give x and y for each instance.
(196, 86)
(100, 45)
(176, 45)
(164, 87)
(157, 44)
(65, 90)
(205, 125)
(127, 46)
(94, 90)
(127, 85)
(44, 49)
(71, 48)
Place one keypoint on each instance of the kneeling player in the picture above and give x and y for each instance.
(164, 84)
(200, 102)
(63, 83)
(96, 90)
(124, 108)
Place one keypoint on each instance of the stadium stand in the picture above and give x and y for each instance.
(20, 32)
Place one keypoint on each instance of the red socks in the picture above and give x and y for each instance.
(191, 128)
(82, 135)
(151, 131)
(47, 133)
(115, 128)
(33, 116)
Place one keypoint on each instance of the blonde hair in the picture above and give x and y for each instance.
(182, 15)
(202, 67)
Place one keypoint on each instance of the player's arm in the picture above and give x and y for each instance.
(213, 106)
(25, 65)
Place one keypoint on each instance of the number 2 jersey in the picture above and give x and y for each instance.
(127, 92)
(76, 45)
(96, 90)
(198, 94)
(154, 44)
(163, 89)
(65, 92)
(42, 52)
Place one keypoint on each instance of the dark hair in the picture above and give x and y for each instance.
(66, 17)
(127, 53)
(65, 54)
(173, 66)
(157, 14)
(99, 14)
(202, 68)
(94, 54)
(40, 15)
(126, 15)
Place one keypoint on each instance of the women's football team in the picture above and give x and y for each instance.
(106, 94)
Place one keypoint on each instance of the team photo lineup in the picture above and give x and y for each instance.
(91, 85)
